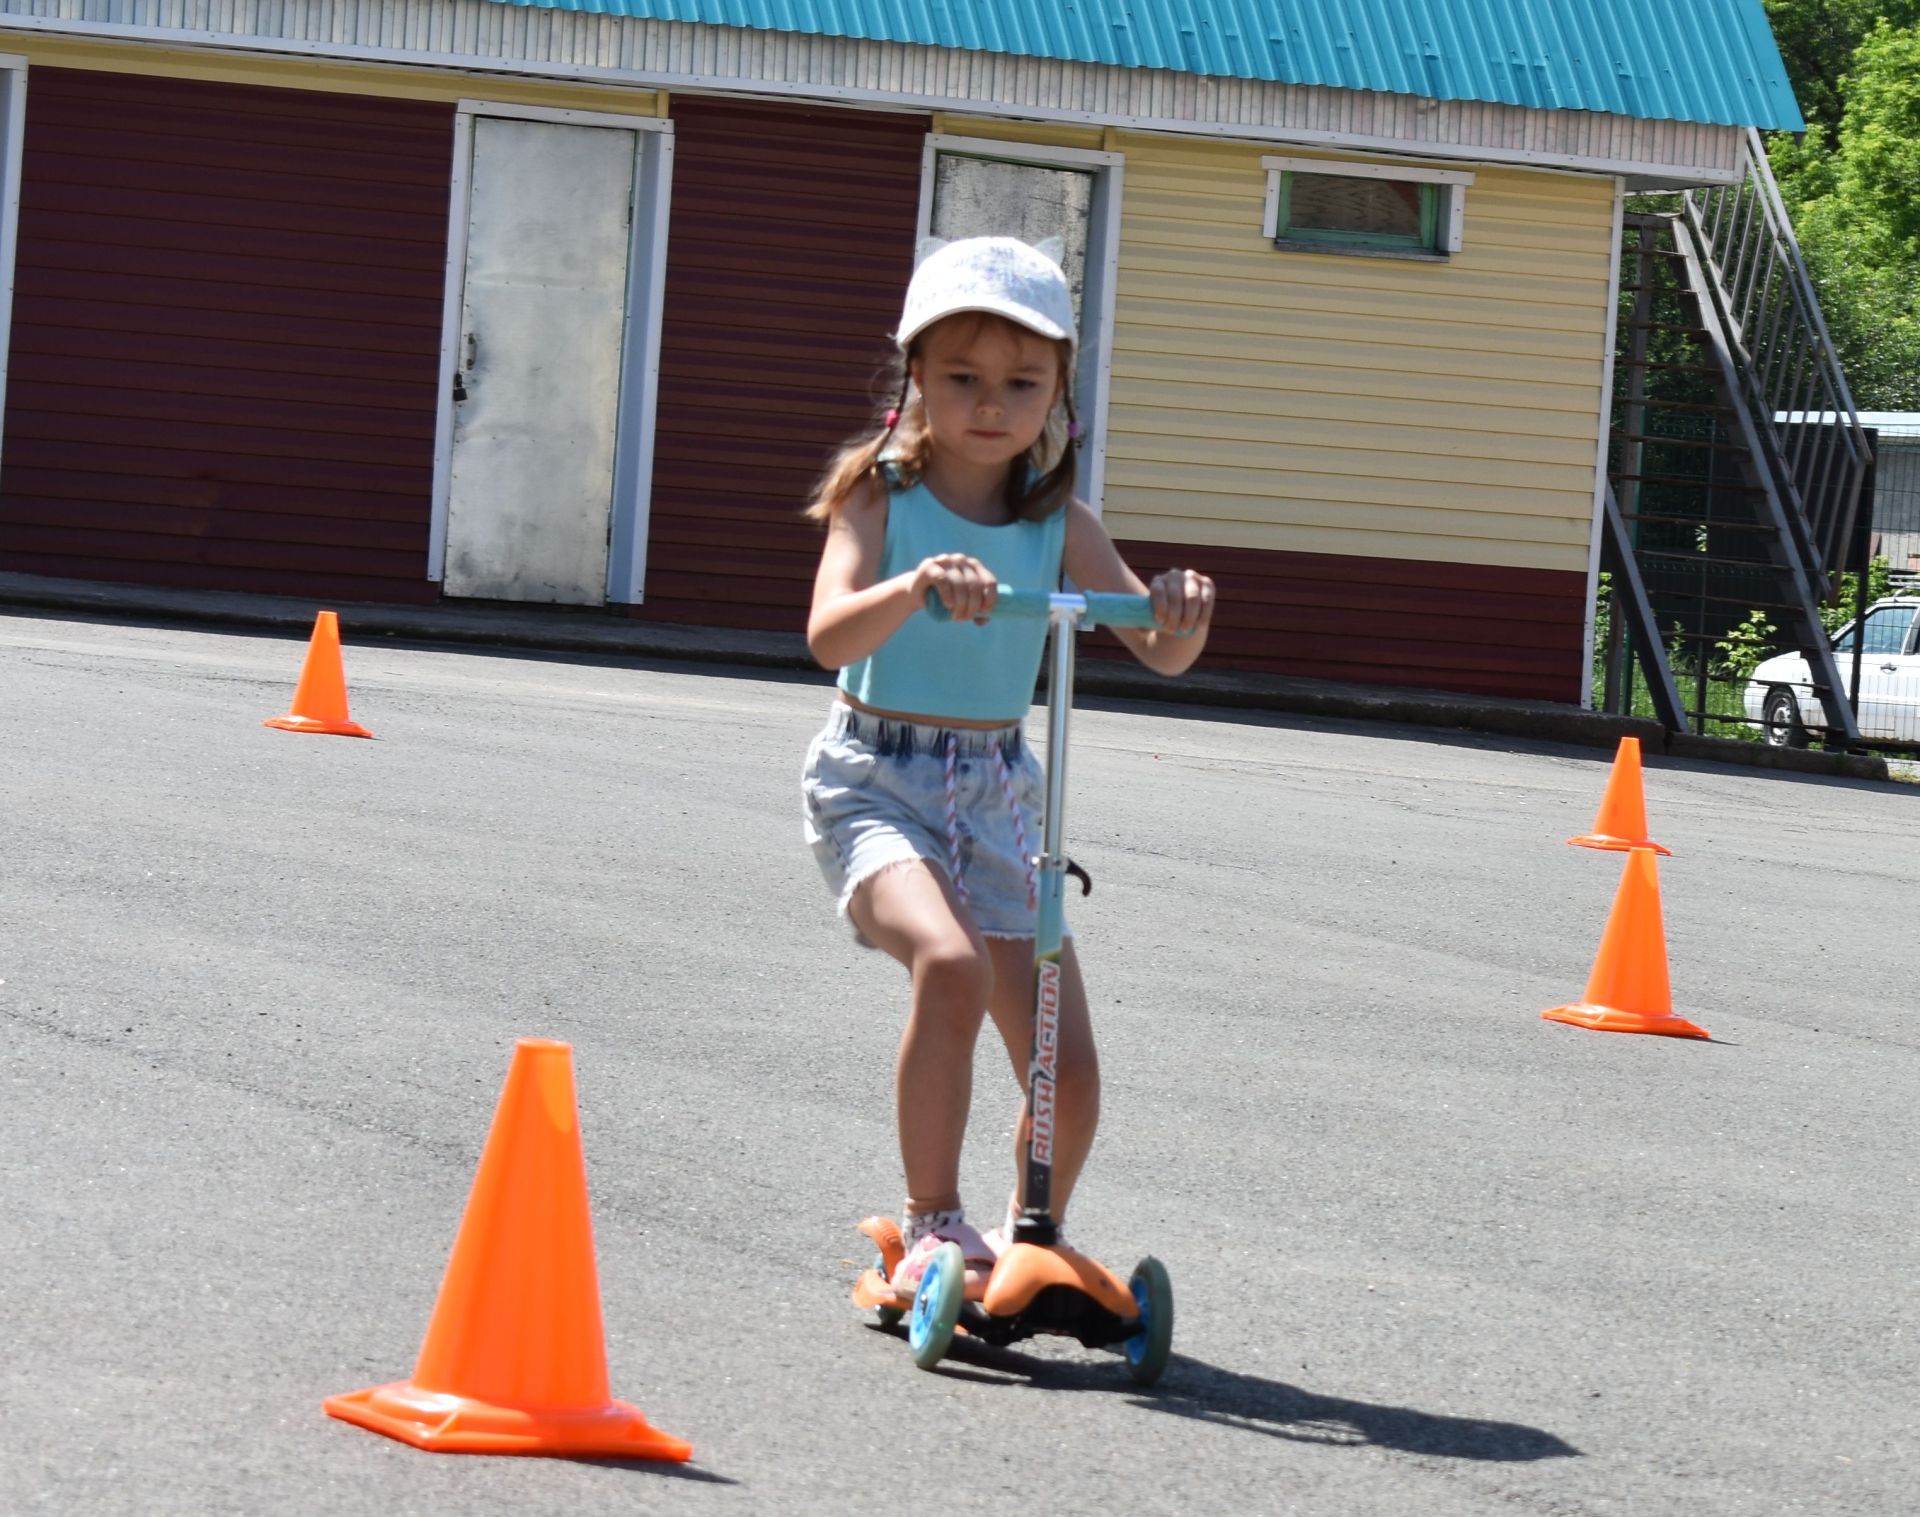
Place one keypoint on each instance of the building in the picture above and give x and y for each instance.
(410, 299)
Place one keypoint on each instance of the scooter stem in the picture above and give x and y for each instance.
(1065, 612)
(1035, 1223)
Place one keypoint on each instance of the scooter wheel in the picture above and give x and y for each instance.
(1153, 1294)
(889, 1316)
(936, 1305)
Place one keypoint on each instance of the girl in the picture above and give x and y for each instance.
(920, 790)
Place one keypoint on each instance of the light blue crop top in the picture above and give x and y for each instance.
(955, 668)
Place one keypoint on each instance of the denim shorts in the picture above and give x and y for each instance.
(878, 793)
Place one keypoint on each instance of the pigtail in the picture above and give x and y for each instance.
(897, 448)
(857, 461)
(1034, 494)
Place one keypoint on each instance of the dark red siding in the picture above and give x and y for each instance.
(790, 247)
(1389, 621)
(789, 252)
(226, 337)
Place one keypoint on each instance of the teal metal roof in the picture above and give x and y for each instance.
(1679, 60)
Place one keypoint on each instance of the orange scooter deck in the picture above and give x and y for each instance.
(1023, 1271)
(1026, 1269)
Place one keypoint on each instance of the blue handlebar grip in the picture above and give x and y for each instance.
(1111, 609)
(1022, 603)
(1104, 608)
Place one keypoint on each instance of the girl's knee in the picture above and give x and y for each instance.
(954, 974)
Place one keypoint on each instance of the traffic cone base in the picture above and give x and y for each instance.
(1618, 844)
(1609, 1019)
(320, 699)
(292, 723)
(443, 1424)
(1621, 825)
(515, 1357)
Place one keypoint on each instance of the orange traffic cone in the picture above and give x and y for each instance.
(1628, 990)
(1622, 822)
(320, 699)
(515, 1358)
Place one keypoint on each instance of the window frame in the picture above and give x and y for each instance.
(1443, 206)
(14, 70)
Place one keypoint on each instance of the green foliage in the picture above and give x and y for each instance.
(1838, 612)
(1744, 647)
(1817, 40)
(1880, 133)
(1852, 186)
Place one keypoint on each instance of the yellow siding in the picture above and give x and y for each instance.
(388, 82)
(1381, 407)
(1040, 133)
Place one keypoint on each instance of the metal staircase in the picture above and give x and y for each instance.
(1735, 462)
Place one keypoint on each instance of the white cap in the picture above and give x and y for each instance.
(999, 275)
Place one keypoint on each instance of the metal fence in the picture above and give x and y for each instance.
(1896, 492)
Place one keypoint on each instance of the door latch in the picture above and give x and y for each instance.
(460, 375)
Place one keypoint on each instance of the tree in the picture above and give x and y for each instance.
(1817, 39)
(1880, 132)
(1854, 193)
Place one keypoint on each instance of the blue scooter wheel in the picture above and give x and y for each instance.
(1147, 1349)
(936, 1305)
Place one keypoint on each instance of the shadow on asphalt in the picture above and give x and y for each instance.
(1467, 737)
(1207, 1393)
(670, 1468)
(738, 668)
(742, 668)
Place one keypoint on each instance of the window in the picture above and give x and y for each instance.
(1319, 205)
(1384, 213)
(982, 197)
(976, 187)
(1886, 631)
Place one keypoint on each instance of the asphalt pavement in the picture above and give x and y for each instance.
(1432, 1254)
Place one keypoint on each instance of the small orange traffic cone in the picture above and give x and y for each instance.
(515, 1358)
(1628, 989)
(1622, 822)
(320, 699)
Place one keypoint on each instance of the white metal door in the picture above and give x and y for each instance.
(537, 389)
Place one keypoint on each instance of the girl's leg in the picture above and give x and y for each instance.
(910, 911)
(1077, 1079)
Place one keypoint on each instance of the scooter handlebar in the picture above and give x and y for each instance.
(1093, 607)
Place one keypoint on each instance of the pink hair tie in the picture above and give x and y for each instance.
(893, 420)
(1073, 431)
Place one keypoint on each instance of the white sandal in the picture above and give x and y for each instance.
(980, 1256)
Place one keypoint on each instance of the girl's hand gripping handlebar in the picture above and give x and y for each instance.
(1093, 608)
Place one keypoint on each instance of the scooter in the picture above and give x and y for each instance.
(1039, 1285)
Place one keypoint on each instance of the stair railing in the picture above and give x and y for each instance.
(1790, 374)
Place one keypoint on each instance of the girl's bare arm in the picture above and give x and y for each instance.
(1182, 598)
